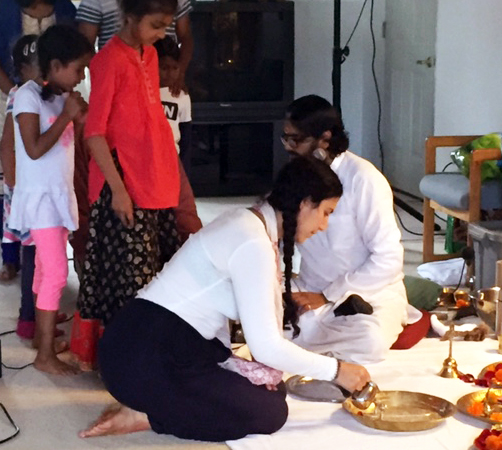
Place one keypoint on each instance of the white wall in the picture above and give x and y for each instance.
(313, 65)
(469, 67)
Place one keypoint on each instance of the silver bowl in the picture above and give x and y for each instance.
(485, 304)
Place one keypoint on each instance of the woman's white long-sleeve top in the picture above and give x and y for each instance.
(227, 271)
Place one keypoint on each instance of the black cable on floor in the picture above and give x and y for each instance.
(7, 332)
(17, 368)
(413, 232)
(16, 428)
(461, 275)
(29, 364)
(403, 227)
(67, 320)
(440, 218)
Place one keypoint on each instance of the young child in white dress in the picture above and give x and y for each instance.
(25, 61)
(44, 199)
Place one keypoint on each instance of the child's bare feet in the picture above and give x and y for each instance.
(59, 346)
(62, 317)
(8, 272)
(53, 365)
(117, 419)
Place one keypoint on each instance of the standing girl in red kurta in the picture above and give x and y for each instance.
(133, 174)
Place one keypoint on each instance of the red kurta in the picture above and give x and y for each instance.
(125, 108)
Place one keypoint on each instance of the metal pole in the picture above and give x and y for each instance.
(336, 74)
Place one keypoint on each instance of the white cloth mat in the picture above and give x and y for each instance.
(326, 426)
(445, 273)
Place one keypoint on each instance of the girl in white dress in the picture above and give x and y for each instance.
(44, 200)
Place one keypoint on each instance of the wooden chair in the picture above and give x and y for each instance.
(466, 205)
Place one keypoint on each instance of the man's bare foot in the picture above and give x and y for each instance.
(59, 346)
(8, 272)
(117, 419)
(54, 366)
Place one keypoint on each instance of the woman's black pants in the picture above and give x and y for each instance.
(154, 362)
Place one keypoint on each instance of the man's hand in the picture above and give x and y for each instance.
(307, 301)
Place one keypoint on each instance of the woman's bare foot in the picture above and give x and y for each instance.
(117, 419)
(54, 366)
(8, 272)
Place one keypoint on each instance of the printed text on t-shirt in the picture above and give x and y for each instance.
(170, 110)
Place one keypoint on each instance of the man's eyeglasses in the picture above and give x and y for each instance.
(292, 140)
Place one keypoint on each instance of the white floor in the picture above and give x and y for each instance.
(50, 409)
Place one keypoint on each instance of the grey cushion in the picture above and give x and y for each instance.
(451, 190)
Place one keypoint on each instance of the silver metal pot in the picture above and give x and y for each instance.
(485, 304)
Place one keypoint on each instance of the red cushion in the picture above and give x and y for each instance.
(413, 333)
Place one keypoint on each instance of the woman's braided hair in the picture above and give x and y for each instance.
(303, 178)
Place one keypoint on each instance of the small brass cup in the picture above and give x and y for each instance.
(366, 396)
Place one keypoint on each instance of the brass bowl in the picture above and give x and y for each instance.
(402, 411)
(488, 367)
(485, 304)
(446, 306)
(446, 298)
(463, 404)
(449, 296)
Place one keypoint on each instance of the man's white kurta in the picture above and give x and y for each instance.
(359, 253)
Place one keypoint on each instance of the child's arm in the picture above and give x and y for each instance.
(185, 38)
(5, 83)
(121, 201)
(89, 30)
(185, 145)
(187, 219)
(7, 155)
(36, 144)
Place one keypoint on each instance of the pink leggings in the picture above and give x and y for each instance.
(51, 266)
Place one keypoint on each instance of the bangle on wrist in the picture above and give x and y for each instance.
(339, 363)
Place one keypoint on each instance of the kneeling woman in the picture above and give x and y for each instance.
(166, 355)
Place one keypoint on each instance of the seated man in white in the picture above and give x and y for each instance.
(360, 252)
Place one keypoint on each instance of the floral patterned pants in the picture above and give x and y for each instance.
(119, 261)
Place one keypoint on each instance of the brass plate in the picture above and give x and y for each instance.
(488, 367)
(463, 403)
(402, 411)
(306, 388)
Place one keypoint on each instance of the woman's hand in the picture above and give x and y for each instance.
(123, 207)
(307, 301)
(352, 377)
